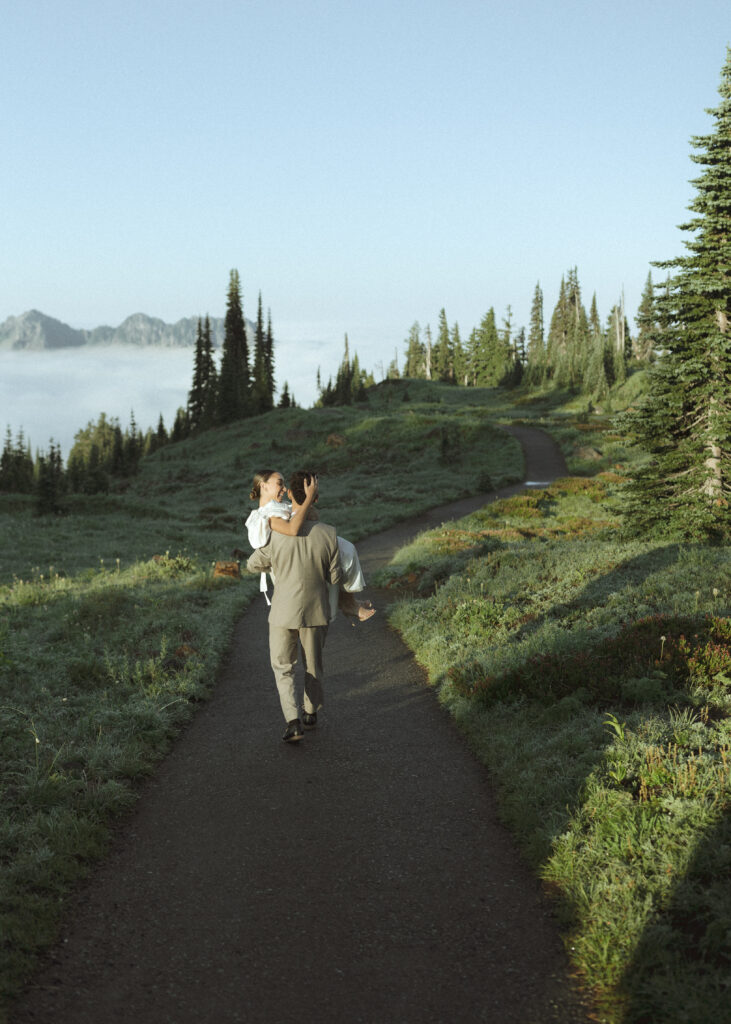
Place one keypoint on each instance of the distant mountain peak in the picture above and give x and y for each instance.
(36, 331)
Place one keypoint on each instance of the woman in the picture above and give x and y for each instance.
(274, 514)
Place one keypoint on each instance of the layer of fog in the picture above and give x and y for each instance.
(53, 394)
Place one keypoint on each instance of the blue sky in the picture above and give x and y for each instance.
(363, 165)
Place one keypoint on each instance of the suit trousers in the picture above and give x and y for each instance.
(283, 649)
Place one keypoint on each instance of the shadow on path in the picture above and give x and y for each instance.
(360, 875)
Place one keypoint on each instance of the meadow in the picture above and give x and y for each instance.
(591, 673)
(112, 624)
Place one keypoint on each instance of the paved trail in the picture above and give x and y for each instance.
(358, 876)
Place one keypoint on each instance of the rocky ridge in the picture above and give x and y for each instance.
(35, 331)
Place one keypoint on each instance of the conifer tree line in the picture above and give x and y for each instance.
(576, 352)
(244, 384)
(350, 382)
(102, 451)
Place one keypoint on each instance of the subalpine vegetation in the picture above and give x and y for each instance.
(579, 633)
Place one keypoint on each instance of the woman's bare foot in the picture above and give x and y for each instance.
(361, 610)
(365, 610)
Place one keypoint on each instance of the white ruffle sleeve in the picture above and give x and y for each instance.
(257, 524)
(259, 531)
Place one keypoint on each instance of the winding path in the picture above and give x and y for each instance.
(361, 875)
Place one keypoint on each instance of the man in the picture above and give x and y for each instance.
(302, 567)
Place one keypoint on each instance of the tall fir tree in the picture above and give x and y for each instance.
(284, 399)
(271, 382)
(536, 355)
(488, 353)
(558, 334)
(260, 397)
(595, 376)
(616, 344)
(210, 387)
(567, 345)
(415, 364)
(16, 465)
(442, 357)
(685, 422)
(459, 357)
(203, 388)
(49, 480)
(648, 328)
(234, 383)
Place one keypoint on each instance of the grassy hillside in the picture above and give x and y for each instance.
(112, 626)
(593, 676)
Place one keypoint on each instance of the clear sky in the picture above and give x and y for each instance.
(360, 164)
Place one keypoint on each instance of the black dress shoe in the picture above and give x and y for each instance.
(309, 721)
(293, 731)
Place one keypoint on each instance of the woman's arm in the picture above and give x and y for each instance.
(292, 526)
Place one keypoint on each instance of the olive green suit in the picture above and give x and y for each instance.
(302, 568)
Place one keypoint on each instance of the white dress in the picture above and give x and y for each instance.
(259, 530)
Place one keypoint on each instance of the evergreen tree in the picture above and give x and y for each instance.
(284, 399)
(519, 359)
(271, 384)
(357, 389)
(196, 397)
(489, 353)
(459, 357)
(95, 479)
(595, 377)
(484, 340)
(350, 382)
(260, 397)
(210, 386)
(536, 355)
(512, 368)
(202, 397)
(115, 460)
(234, 384)
(49, 480)
(415, 365)
(161, 433)
(685, 422)
(442, 358)
(648, 328)
(100, 450)
(567, 345)
(181, 426)
(615, 347)
(16, 465)
(595, 326)
(132, 448)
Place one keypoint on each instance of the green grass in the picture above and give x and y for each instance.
(112, 626)
(593, 677)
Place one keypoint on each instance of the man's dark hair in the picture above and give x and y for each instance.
(297, 484)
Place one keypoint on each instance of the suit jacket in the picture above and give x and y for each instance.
(302, 566)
